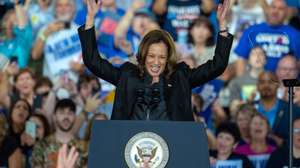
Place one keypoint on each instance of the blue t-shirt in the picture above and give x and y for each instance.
(276, 41)
(105, 24)
(179, 16)
(269, 114)
(209, 92)
(19, 46)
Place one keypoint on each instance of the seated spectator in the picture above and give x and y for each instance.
(258, 150)
(280, 157)
(276, 38)
(58, 42)
(17, 33)
(243, 88)
(10, 153)
(227, 138)
(275, 110)
(45, 152)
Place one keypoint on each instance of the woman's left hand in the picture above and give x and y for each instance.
(222, 13)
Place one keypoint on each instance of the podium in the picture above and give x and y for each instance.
(180, 144)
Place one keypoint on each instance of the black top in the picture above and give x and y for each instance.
(234, 156)
(150, 103)
(7, 148)
(280, 158)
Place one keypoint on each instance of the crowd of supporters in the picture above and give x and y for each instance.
(49, 98)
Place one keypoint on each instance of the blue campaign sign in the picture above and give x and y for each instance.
(259, 161)
(61, 48)
(229, 164)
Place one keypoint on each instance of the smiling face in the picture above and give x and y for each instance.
(225, 143)
(156, 59)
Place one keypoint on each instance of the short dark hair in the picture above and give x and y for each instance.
(83, 79)
(229, 128)
(65, 103)
(42, 81)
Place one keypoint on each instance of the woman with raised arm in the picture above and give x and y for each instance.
(157, 88)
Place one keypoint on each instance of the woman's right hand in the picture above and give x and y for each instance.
(93, 8)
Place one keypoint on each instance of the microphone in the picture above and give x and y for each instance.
(291, 82)
(140, 95)
(155, 96)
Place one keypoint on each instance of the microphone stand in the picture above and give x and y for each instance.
(291, 83)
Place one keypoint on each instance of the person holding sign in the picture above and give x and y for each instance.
(157, 88)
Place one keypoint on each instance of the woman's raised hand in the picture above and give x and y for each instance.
(93, 7)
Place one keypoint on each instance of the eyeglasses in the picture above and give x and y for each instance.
(296, 130)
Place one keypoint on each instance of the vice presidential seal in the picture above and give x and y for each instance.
(146, 150)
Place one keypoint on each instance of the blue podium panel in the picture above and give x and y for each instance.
(186, 141)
